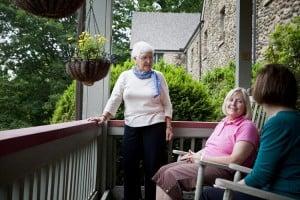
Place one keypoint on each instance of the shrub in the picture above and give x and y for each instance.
(284, 45)
(219, 81)
(65, 106)
(189, 97)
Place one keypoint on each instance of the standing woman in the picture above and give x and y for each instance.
(277, 167)
(148, 114)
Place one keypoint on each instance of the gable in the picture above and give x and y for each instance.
(164, 31)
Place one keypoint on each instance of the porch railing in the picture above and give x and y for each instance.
(75, 160)
(50, 162)
(188, 135)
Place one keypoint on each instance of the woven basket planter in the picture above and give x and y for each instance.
(88, 71)
(49, 8)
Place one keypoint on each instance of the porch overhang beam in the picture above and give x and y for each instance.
(243, 43)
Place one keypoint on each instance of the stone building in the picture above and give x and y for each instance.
(269, 13)
(168, 33)
(192, 53)
(218, 31)
(217, 34)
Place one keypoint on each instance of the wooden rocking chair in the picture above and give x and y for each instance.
(230, 186)
(258, 117)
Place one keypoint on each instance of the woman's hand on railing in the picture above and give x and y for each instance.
(99, 120)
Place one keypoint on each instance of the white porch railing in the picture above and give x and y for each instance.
(50, 162)
(188, 135)
(75, 160)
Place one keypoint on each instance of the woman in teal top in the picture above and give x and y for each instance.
(277, 167)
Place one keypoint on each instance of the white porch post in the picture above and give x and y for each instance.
(243, 43)
(95, 97)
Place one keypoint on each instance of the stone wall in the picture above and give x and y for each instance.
(217, 35)
(192, 56)
(268, 14)
(174, 58)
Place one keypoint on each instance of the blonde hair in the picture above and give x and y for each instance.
(140, 48)
(246, 99)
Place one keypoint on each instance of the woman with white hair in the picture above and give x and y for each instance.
(148, 114)
(234, 140)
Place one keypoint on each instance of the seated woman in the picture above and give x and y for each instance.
(234, 140)
(277, 167)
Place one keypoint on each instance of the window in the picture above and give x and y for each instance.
(205, 49)
(222, 24)
(157, 57)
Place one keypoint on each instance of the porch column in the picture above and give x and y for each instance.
(95, 97)
(243, 43)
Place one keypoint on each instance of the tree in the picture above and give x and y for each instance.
(122, 13)
(188, 6)
(33, 51)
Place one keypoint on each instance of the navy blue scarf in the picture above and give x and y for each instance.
(149, 74)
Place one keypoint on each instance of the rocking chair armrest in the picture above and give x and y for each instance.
(222, 183)
(240, 168)
(179, 152)
(213, 164)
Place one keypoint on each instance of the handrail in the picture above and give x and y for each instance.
(54, 159)
(19, 139)
(175, 124)
(58, 161)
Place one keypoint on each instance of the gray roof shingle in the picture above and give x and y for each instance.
(164, 31)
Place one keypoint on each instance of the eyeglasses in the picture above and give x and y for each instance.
(146, 57)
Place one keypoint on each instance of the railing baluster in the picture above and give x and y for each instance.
(49, 183)
(75, 183)
(193, 144)
(61, 176)
(15, 191)
(35, 186)
(26, 193)
(85, 174)
(70, 177)
(114, 161)
(89, 180)
(80, 174)
(181, 141)
(43, 183)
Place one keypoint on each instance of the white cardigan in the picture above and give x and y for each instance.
(141, 107)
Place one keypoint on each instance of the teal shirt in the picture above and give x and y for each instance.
(277, 166)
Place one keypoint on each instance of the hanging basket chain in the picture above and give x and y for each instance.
(92, 13)
(92, 18)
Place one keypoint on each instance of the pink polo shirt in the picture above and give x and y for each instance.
(226, 134)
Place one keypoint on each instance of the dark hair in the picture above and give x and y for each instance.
(275, 85)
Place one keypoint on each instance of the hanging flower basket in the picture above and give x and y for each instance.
(49, 8)
(90, 63)
(88, 71)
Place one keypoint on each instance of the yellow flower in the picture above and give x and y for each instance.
(90, 46)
